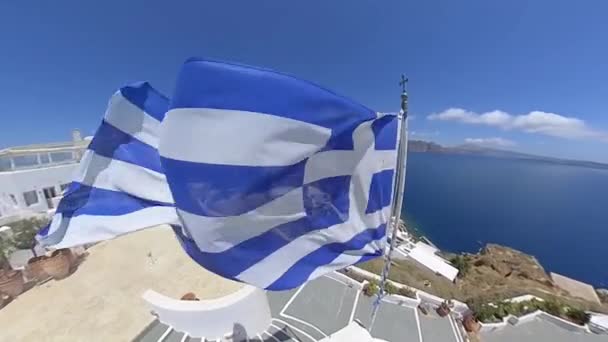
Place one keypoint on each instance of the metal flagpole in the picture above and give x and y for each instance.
(397, 198)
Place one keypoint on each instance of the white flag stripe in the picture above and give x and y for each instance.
(93, 228)
(265, 272)
(342, 163)
(112, 174)
(130, 119)
(361, 181)
(217, 234)
(252, 139)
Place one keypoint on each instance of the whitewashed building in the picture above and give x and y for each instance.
(33, 177)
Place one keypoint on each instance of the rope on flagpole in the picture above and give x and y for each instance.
(397, 198)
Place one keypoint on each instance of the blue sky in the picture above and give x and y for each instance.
(525, 75)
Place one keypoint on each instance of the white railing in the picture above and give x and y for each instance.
(243, 312)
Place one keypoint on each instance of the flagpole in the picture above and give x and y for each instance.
(397, 198)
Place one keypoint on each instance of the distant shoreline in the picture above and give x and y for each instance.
(420, 146)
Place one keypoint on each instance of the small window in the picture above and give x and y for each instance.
(25, 160)
(5, 164)
(30, 197)
(49, 192)
(14, 199)
(44, 158)
(64, 187)
(58, 157)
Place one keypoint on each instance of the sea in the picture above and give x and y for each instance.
(557, 213)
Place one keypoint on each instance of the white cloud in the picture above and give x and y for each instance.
(490, 142)
(551, 124)
(495, 118)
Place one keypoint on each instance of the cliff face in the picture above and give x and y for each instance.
(502, 272)
(499, 272)
(511, 263)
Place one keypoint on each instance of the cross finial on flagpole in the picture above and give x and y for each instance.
(403, 84)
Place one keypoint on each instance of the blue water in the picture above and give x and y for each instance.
(557, 213)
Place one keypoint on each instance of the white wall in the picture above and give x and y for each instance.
(245, 312)
(425, 255)
(18, 182)
(8, 208)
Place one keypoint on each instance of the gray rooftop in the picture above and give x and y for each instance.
(540, 329)
(325, 305)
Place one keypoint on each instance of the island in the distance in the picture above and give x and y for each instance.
(471, 149)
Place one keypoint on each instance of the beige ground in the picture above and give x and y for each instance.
(576, 288)
(102, 301)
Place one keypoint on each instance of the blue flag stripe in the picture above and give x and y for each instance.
(113, 143)
(269, 92)
(147, 99)
(385, 131)
(227, 190)
(81, 199)
(301, 271)
(382, 187)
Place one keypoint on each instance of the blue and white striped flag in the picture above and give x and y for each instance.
(275, 180)
(120, 185)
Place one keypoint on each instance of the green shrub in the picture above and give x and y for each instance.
(390, 288)
(534, 304)
(6, 247)
(502, 310)
(552, 307)
(407, 292)
(371, 289)
(24, 232)
(487, 313)
(506, 308)
(23, 237)
(481, 310)
(462, 263)
(577, 316)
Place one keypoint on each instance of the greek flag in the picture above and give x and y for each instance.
(119, 186)
(274, 181)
